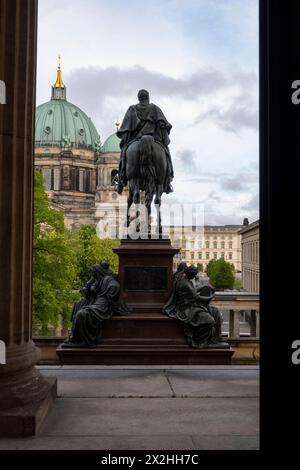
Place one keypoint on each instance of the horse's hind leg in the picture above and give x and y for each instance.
(136, 200)
(133, 198)
(148, 202)
(136, 191)
(157, 202)
(129, 201)
(158, 194)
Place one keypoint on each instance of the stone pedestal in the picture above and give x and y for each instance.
(25, 394)
(146, 273)
(144, 339)
(146, 336)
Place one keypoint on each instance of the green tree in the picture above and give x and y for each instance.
(210, 267)
(200, 267)
(54, 263)
(90, 249)
(238, 284)
(221, 275)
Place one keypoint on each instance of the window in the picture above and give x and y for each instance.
(230, 245)
(52, 179)
(113, 177)
(223, 255)
(207, 255)
(207, 244)
(199, 255)
(229, 255)
(215, 237)
(215, 245)
(215, 255)
(88, 182)
(192, 255)
(223, 245)
(72, 178)
(77, 179)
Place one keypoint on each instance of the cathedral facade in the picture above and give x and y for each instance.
(79, 171)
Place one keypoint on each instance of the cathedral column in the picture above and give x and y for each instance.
(25, 395)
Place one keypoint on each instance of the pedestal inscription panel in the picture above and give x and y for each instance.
(146, 278)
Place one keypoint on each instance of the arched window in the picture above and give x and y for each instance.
(113, 177)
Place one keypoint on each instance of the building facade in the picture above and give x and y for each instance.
(250, 256)
(199, 245)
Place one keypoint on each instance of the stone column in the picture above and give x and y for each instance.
(25, 394)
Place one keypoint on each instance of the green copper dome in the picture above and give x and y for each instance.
(111, 145)
(60, 123)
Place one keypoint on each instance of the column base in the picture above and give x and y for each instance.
(25, 420)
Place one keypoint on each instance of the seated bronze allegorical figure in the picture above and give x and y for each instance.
(100, 300)
(202, 322)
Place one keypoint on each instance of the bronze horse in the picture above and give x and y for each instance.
(146, 170)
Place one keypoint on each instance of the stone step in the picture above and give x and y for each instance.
(144, 355)
(143, 326)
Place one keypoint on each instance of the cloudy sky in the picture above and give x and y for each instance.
(199, 61)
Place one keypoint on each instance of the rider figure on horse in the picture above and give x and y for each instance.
(144, 118)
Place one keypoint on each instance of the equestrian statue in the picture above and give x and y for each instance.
(145, 160)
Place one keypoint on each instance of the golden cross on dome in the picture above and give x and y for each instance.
(117, 124)
(59, 81)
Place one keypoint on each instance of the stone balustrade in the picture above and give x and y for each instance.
(237, 303)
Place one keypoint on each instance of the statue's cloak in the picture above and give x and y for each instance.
(185, 305)
(202, 324)
(88, 313)
(144, 119)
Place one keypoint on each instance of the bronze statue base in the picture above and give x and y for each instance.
(143, 338)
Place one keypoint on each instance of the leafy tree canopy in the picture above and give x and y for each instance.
(200, 267)
(90, 249)
(220, 274)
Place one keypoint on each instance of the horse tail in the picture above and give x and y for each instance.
(147, 168)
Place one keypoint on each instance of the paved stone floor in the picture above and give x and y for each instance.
(176, 408)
